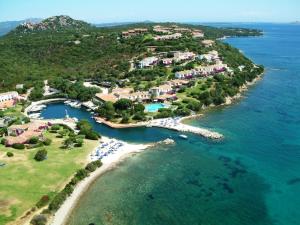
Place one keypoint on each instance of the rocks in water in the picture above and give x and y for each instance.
(293, 181)
(236, 171)
(211, 189)
(226, 187)
(237, 162)
(208, 194)
(235, 167)
(224, 159)
(194, 182)
(168, 141)
(150, 197)
(196, 173)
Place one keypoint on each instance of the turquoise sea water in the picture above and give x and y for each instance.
(252, 177)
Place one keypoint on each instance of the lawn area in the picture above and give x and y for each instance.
(23, 181)
(147, 37)
(14, 111)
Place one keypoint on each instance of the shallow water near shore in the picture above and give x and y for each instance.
(251, 177)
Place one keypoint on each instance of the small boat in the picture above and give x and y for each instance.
(34, 115)
(183, 136)
(37, 108)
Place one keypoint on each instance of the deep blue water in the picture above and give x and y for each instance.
(252, 177)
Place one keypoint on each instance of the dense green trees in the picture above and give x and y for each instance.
(44, 200)
(18, 146)
(46, 55)
(36, 94)
(193, 104)
(99, 54)
(73, 90)
(182, 111)
(33, 140)
(47, 141)
(9, 154)
(86, 129)
(107, 110)
(146, 74)
(123, 104)
(164, 113)
(41, 155)
(39, 220)
(58, 200)
(123, 109)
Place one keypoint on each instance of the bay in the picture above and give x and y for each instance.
(251, 177)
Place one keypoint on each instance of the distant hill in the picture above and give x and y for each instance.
(113, 24)
(63, 47)
(296, 22)
(55, 23)
(120, 23)
(7, 26)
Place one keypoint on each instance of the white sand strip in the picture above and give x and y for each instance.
(109, 162)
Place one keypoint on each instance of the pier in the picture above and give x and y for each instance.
(177, 125)
(167, 123)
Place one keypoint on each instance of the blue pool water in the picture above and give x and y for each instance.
(250, 178)
(154, 107)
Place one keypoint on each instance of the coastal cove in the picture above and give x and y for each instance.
(249, 174)
(160, 113)
(198, 135)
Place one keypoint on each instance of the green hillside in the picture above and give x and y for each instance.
(63, 47)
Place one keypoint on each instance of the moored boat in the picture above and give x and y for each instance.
(183, 136)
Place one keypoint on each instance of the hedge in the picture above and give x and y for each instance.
(59, 198)
(18, 146)
(10, 154)
(41, 155)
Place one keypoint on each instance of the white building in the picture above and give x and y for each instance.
(181, 56)
(8, 96)
(147, 62)
(208, 43)
(219, 67)
(19, 86)
(185, 74)
(8, 99)
(161, 90)
(139, 96)
(197, 34)
(168, 37)
(167, 61)
(210, 56)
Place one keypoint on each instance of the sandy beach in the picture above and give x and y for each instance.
(109, 162)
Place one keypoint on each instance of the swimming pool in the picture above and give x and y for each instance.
(154, 107)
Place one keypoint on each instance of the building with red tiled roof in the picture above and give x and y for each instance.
(20, 134)
(8, 99)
